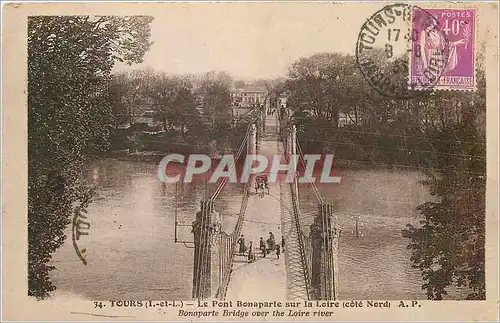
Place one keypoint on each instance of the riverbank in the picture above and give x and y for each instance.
(134, 156)
(139, 156)
(156, 156)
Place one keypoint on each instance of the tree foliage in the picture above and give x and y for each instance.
(126, 92)
(336, 110)
(214, 89)
(69, 117)
(449, 246)
(316, 86)
(194, 110)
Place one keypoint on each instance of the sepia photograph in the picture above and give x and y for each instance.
(261, 161)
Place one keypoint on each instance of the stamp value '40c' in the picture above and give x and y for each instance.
(448, 42)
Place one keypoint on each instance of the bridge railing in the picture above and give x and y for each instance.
(202, 230)
(305, 260)
(214, 248)
(304, 250)
(227, 248)
(318, 240)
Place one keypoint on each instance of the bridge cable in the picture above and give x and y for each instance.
(326, 235)
(206, 208)
(233, 166)
(199, 254)
(230, 240)
(313, 185)
(240, 150)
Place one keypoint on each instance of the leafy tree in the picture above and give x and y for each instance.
(129, 94)
(175, 103)
(124, 96)
(194, 109)
(216, 96)
(448, 246)
(69, 117)
(317, 85)
(440, 130)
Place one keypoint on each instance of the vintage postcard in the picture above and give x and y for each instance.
(250, 161)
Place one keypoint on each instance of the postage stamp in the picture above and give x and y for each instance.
(447, 41)
(383, 51)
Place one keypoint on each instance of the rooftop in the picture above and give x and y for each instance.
(250, 88)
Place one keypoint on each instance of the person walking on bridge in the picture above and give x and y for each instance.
(278, 251)
(282, 243)
(251, 256)
(262, 247)
(271, 242)
(242, 248)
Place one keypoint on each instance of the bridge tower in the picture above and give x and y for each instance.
(319, 244)
(214, 248)
(202, 270)
(325, 243)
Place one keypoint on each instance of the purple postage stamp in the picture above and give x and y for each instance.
(444, 42)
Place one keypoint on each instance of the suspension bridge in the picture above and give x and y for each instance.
(308, 267)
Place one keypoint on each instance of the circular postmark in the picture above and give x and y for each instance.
(401, 52)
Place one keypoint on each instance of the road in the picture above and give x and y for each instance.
(266, 277)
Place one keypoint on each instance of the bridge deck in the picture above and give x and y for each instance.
(266, 277)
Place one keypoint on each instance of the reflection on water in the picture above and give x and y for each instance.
(376, 265)
(132, 255)
(130, 249)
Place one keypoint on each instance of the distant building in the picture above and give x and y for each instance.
(243, 100)
(282, 99)
(281, 104)
(345, 119)
(147, 120)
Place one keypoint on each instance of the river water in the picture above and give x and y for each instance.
(131, 251)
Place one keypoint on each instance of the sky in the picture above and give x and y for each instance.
(250, 40)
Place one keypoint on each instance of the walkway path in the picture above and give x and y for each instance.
(266, 277)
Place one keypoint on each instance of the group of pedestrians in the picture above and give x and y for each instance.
(271, 112)
(266, 247)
